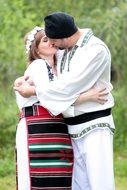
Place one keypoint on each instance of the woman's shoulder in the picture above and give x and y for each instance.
(38, 61)
(36, 65)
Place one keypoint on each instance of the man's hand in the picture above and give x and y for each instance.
(25, 89)
(19, 81)
(29, 80)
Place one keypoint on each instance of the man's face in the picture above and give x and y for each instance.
(59, 43)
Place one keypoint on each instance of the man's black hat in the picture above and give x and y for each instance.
(59, 25)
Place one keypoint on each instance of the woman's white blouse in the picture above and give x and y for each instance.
(38, 72)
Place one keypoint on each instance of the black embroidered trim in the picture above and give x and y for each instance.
(50, 74)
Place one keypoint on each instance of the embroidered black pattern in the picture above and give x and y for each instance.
(63, 61)
(50, 74)
(92, 127)
(72, 52)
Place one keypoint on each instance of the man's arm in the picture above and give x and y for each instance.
(62, 93)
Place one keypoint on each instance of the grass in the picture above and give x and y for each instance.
(7, 182)
(120, 167)
(121, 183)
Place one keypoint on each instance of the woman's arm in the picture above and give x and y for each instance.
(94, 94)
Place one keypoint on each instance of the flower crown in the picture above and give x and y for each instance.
(31, 37)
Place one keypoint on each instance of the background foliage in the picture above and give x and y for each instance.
(108, 20)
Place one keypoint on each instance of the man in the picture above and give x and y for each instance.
(86, 61)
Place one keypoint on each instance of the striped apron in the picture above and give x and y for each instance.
(50, 156)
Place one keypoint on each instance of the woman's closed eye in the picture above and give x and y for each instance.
(45, 39)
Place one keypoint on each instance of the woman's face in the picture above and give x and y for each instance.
(45, 48)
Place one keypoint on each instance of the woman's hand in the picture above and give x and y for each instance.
(97, 95)
(94, 94)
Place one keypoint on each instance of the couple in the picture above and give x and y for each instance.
(61, 81)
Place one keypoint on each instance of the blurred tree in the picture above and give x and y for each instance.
(17, 17)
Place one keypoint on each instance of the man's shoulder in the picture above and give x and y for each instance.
(96, 41)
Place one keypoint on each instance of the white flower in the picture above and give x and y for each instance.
(31, 37)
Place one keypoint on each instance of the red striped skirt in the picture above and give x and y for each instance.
(49, 151)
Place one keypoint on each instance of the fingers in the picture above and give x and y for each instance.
(19, 81)
(102, 100)
(15, 88)
(102, 96)
(26, 78)
(103, 93)
(102, 90)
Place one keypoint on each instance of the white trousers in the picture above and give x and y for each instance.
(93, 161)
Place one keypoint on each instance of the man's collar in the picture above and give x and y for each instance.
(84, 33)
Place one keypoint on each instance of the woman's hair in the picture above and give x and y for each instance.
(32, 40)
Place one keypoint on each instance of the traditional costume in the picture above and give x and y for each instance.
(43, 146)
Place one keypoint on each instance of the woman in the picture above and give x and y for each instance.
(44, 151)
